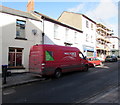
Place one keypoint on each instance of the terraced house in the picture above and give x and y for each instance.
(21, 30)
(98, 39)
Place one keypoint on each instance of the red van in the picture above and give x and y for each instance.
(55, 60)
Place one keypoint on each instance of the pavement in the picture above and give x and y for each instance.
(16, 79)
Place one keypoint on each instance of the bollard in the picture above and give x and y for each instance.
(4, 73)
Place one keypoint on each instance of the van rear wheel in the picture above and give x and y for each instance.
(57, 73)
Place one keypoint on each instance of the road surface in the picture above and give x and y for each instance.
(74, 87)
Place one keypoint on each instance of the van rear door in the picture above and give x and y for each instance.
(35, 59)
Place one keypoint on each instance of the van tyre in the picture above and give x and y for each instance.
(57, 73)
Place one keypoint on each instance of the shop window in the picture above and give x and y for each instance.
(15, 57)
(20, 29)
(90, 53)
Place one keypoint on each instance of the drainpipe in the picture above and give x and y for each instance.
(43, 34)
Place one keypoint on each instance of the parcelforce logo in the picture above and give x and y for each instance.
(70, 54)
(49, 56)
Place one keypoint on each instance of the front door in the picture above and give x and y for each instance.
(15, 57)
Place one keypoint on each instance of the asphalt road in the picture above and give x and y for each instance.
(71, 88)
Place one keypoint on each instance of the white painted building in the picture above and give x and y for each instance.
(89, 32)
(88, 26)
(20, 30)
(57, 33)
(115, 50)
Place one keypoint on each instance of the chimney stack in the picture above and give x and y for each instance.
(30, 5)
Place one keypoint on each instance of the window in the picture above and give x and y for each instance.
(113, 46)
(87, 37)
(49, 56)
(81, 55)
(87, 25)
(20, 28)
(66, 36)
(56, 31)
(91, 26)
(90, 53)
(92, 39)
(15, 57)
(75, 38)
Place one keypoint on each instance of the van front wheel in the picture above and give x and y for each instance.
(58, 73)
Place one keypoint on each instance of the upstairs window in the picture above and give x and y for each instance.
(92, 39)
(113, 46)
(56, 31)
(87, 38)
(87, 25)
(76, 38)
(91, 26)
(20, 29)
(66, 36)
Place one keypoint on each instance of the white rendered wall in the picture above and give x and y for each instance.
(61, 39)
(91, 33)
(9, 34)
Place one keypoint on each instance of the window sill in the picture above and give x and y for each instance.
(57, 38)
(15, 67)
(20, 38)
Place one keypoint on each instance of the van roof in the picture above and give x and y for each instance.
(48, 45)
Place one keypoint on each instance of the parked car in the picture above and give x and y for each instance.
(94, 61)
(111, 59)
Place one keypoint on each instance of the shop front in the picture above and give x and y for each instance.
(89, 51)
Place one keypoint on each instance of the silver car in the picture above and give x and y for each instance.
(111, 59)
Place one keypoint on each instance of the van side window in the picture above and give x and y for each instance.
(81, 55)
(49, 56)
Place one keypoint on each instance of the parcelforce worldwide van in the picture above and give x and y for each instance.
(55, 60)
